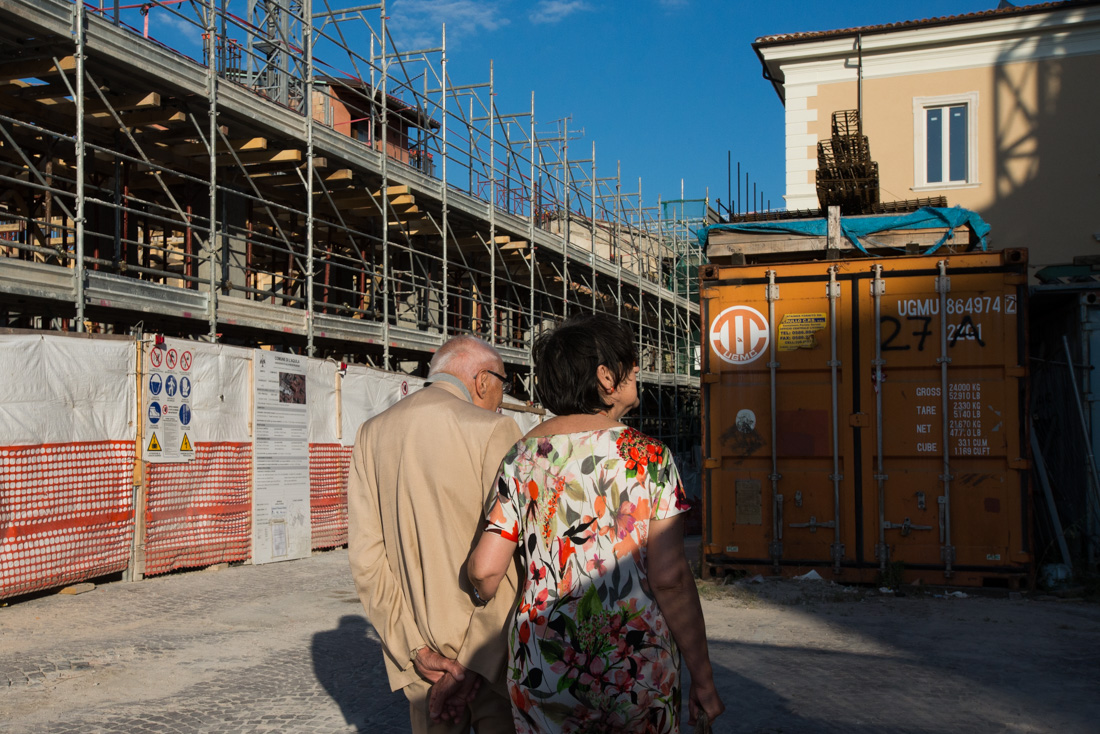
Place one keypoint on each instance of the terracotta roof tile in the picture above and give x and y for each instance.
(942, 20)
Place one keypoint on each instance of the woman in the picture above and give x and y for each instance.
(594, 509)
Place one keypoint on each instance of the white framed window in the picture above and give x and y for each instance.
(945, 141)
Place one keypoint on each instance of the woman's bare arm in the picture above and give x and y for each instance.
(673, 586)
(489, 562)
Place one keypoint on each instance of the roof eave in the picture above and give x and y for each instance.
(874, 30)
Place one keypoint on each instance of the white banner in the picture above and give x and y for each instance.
(222, 397)
(280, 477)
(366, 392)
(324, 408)
(62, 389)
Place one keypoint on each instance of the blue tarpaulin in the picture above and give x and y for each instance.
(856, 227)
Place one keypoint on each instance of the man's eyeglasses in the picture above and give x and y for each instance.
(505, 384)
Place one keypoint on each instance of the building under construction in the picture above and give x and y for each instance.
(279, 172)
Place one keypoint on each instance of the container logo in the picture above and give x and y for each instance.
(739, 335)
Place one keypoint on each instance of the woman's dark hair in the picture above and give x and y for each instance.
(566, 359)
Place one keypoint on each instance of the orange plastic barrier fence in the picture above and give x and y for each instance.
(199, 513)
(328, 493)
(66, 513)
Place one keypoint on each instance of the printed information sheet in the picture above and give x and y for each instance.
(280, 497)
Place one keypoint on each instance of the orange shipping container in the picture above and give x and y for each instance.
(868, 418)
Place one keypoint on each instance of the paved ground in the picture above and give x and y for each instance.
(284, 647)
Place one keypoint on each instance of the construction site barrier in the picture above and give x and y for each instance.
(199, 513)
(66, 513)
(77, 499)
(328, 494)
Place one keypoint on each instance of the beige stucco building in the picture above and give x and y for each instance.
(999, 111)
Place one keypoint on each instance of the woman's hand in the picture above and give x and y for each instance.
(704, 697)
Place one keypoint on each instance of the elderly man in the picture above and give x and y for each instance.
(420, 475)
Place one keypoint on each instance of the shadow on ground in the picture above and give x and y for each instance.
(348, 664)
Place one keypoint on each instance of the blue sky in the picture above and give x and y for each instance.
(667, 87)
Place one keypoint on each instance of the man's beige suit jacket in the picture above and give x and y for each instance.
(420, 476)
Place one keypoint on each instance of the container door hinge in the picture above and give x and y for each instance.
(813, 524)
(712, 464)
(1016, 371)
(709, 293)
(1022, 464)
(711, 377)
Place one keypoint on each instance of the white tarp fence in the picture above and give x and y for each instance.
(366, 392)
(222, 392)
(57, 388)
(66, 389)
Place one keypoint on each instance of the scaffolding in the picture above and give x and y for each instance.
(302, 183)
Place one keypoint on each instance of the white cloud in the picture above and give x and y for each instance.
(419, 23)
(553, 11)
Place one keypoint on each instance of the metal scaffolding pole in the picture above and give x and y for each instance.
(385, 200)
(618, 244)
(307, 110)
(565, 223)
(79, 21)
(212, 238)
(492, 212)
(592, 229)
(531, 254)
(444, 189)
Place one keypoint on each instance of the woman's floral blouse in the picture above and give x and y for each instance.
(589, 649)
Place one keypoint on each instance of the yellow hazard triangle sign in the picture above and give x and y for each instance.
(186, 444)
(154, 444)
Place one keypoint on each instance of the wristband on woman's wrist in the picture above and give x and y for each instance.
(477, 598)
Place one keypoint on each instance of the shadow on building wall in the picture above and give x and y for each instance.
(1046, 193)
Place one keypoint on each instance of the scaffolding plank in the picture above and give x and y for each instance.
(36, 69)
(239, 145)
(141, 118)
(290, 155)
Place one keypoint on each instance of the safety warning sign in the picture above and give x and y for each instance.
(169, 420)
(797, 331)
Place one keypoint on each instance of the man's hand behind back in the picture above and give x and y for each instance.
(453, 687)
(450, 697)
(431, 666)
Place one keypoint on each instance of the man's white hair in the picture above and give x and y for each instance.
(464, 356)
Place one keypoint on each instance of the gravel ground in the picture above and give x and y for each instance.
(285, 647)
